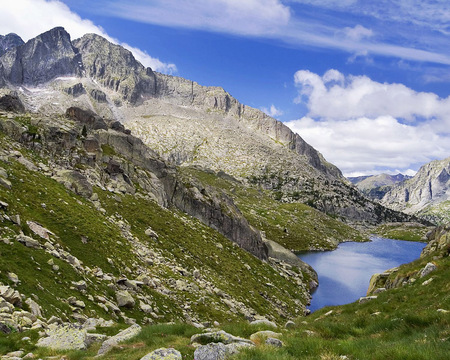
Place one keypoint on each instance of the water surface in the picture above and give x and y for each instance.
(344, 273)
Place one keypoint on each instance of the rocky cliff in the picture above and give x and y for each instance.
(9, 42)
(426, 194)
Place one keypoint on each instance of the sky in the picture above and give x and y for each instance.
(366, 82)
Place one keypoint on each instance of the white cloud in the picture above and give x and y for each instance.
(29, 18)
(357, 33)
(272, 111)
(249, 17)
(358, 124)
(359, 96)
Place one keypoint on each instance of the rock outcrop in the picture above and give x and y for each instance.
(426, 194)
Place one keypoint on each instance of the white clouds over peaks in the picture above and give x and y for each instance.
(359, 124)
(29, 18)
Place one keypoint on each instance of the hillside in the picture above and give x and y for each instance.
(427, 194)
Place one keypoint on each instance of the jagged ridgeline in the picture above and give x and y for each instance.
(185, 123)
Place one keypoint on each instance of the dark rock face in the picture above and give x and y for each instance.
(76, 90)
(11, 103)
(42, 59)
(9, 42)
(98, 95)
(86, 117)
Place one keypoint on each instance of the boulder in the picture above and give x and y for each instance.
(66, 337)
(274, 342)
(429, 268)
(264, 322)
(10, 295)
(124, 335)
(28, 241)
(35, 309)
(217, 336)
(264, 335)
(163, 354)
(11, 103)
(124, 299)
(213, 351)
(365, 299)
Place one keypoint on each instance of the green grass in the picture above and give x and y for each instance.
(296, 226)
(407, 231)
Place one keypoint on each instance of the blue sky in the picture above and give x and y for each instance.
(365, 82)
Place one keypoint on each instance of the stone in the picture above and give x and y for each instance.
(263, 335)
(5, 329)
(365, 299)
(429, 268)
(217, 336)
(213, 351)
(289, 325)
(39, 230)
(151, 233)
(264, 322)
(124, 335)
(274, 342)
(10, 295)
(65, 337)
(80, 285)
(163, 354)
(28, 241)
(34, 307)
(124, 299)
(14, 278)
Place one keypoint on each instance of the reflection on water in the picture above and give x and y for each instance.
(344, 273)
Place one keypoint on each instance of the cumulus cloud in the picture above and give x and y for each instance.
(29, 18)
(272, 111)
(369, 127)
(357, 33)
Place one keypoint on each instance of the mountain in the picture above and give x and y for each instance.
(427, 194)
(376, 186)
(9, 42)
(185, 123)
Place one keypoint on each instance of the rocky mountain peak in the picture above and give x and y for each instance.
(115, 67)
(42, 59)
(9, 42)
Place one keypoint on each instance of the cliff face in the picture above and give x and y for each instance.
(9, 42)
(427, 192)
(376, 186)
(42, 59)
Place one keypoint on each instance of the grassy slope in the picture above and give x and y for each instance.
(182, 241)
(296, 226)
(408, 232)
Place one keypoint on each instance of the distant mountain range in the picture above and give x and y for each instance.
(376, 186)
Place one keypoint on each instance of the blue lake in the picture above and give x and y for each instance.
(344, 273)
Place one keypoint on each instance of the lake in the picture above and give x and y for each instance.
(344, 273)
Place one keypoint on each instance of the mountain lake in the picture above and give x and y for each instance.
(344, 273)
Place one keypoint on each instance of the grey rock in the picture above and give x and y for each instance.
(76, 90)
(289, 325)
(10, 295)
(41, 59)
(11, 103)
(274, 342)
(263, 335)
(124, 299)
(365, 299)
(163, 354)
(64, 338)
(213, 351)
(124, 335)
(35, 309)
(28, 241)
(264, 322)
(428, 269)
